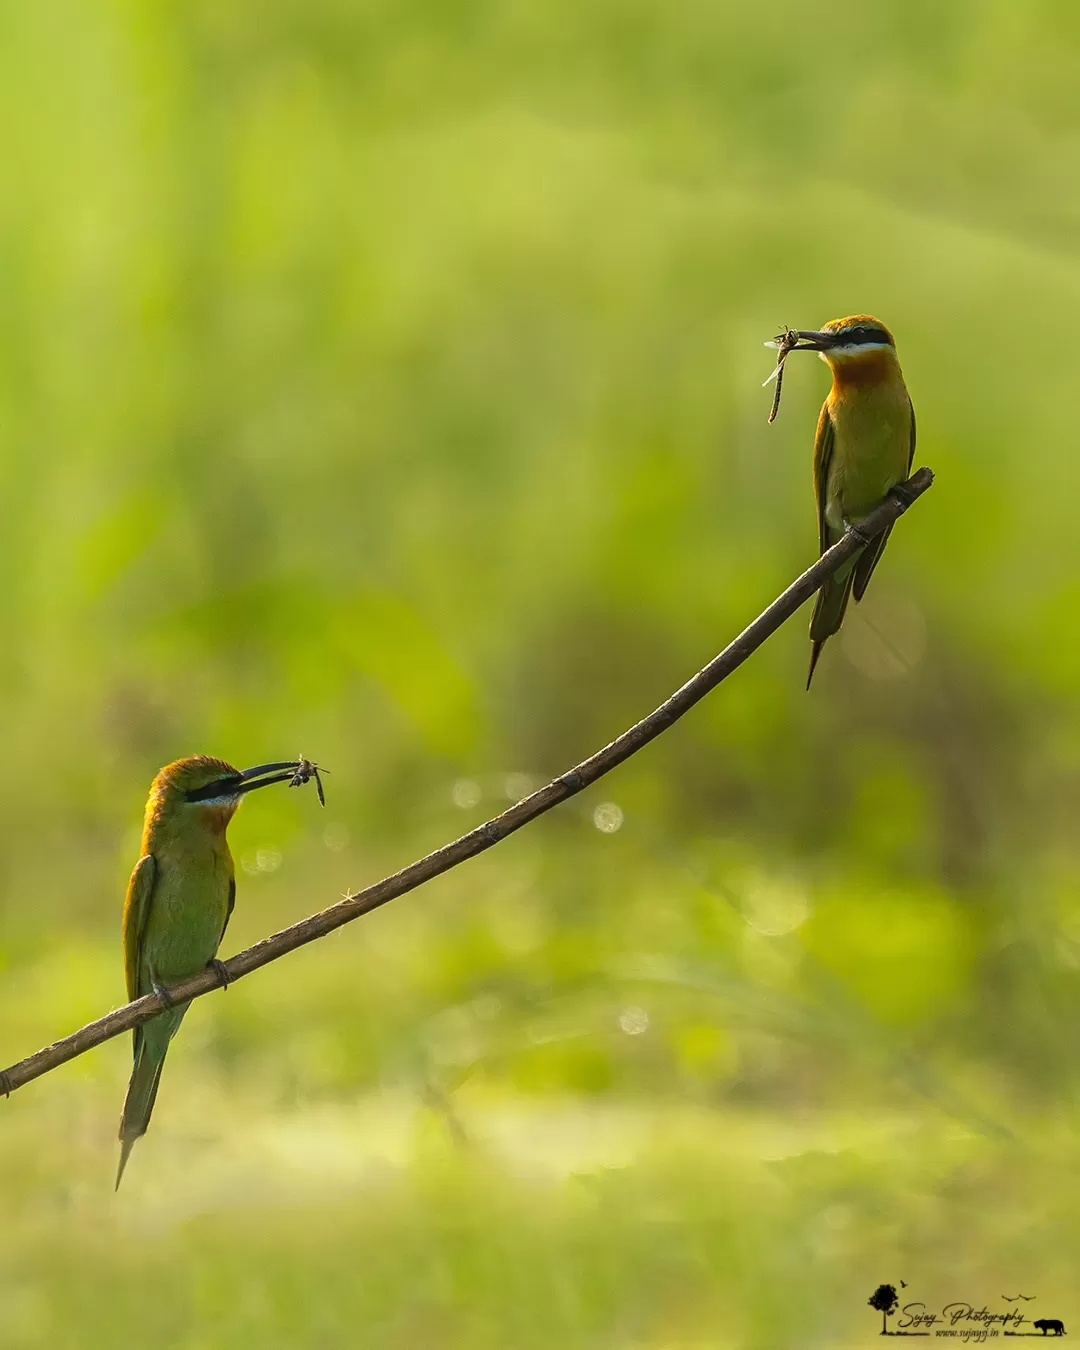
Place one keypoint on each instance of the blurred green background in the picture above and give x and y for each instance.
(382, 381)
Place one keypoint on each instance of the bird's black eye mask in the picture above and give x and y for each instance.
(296, 772)
(858, 337)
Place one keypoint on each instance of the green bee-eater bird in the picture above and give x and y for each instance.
(178, 904)
(864, 447)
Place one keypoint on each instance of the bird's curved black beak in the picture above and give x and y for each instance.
(809, 340)
(813, 341)
(262, 775)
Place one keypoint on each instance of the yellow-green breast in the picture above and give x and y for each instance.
(190, 903)
(872, 445)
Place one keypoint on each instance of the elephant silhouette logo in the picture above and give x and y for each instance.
(1050, 1324)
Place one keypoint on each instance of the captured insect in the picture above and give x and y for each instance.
(783, 342)
(306, 770)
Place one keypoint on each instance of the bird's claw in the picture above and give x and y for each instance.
(221, 971)
(163, 994)
(859, 533)
(902, 496)
(5, 1084)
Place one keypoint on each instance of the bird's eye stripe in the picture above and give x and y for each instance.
(855, 337)
(221, 787)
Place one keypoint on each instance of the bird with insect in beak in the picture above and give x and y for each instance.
(179, 900)
(864, 447)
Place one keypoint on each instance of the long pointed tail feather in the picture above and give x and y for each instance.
(868, 560)
(815, 652)
(828, 615)
(139, 1103)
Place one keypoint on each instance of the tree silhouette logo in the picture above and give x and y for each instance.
(885, 1300)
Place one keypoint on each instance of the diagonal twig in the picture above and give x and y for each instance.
(492, 831)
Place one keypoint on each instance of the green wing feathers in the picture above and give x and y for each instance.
(824, 440)
(136, 912)
(832, 598)
(145, 1076)
(229, 908)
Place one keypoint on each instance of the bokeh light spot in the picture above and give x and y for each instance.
(518, 786)
(466, 793)
(336, 836)
(608, 817)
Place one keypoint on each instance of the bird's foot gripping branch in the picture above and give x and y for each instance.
(566, 785)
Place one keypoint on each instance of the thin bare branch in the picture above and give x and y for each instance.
(492, 831)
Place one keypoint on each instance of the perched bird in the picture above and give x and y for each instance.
(864, 447)
(178, 904)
